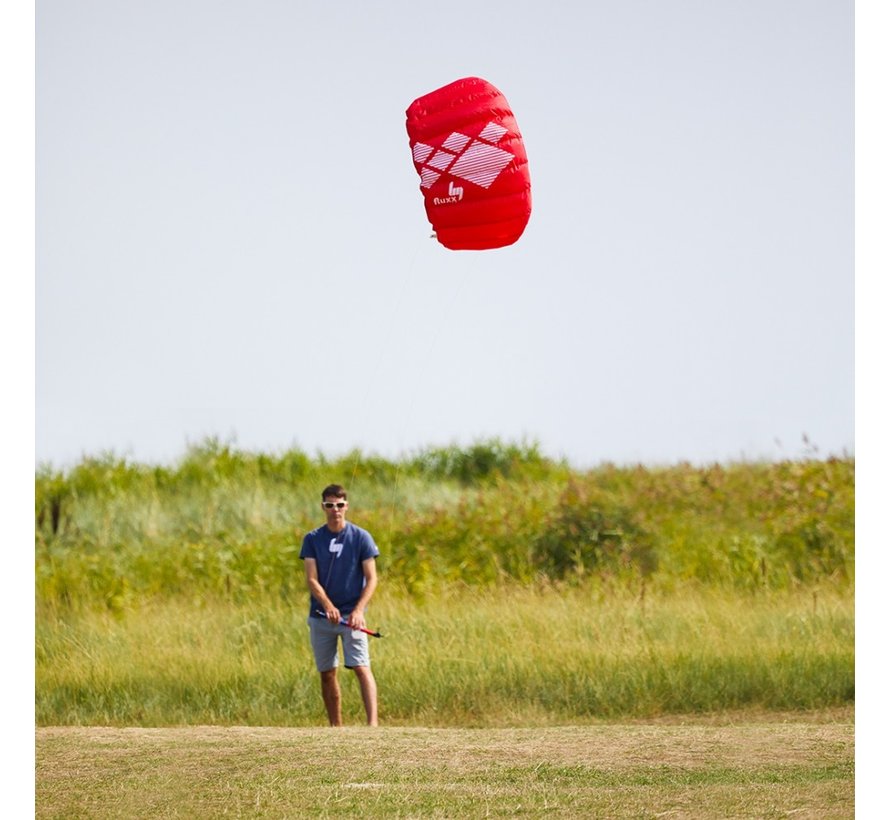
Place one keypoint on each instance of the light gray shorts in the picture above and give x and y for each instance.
(324, 637)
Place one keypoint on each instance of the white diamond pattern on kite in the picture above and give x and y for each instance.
(421, 152)
(492, 132)
(480, 163)
(456, 142)
(441, 160)
(428, 177)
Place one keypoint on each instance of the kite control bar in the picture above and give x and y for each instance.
(345, 622)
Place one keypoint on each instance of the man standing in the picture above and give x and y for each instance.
(341, 572)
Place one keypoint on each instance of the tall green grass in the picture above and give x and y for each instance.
(522, 657)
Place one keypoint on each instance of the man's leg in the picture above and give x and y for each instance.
(369, 692)
(330, 694)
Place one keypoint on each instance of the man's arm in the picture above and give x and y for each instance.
(317, 590)
(357, 616)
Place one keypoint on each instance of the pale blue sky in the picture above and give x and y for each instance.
(231, 240)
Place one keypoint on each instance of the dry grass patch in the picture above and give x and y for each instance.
(702, 768)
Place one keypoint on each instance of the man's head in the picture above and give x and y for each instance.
(335, 504)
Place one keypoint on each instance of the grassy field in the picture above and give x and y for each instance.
(616, 642)
(798, 765)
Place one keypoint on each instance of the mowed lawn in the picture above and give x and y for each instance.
(735, 765)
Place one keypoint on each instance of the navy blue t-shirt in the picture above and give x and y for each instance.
(339, 558)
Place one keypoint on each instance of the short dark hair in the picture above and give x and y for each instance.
(335, 490)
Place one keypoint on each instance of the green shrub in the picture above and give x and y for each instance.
(588, 531)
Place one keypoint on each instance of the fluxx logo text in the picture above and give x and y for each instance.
(455, 194)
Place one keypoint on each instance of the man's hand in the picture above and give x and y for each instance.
(356, 619)
(332, 614)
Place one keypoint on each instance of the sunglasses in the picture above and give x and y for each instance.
(329, 505)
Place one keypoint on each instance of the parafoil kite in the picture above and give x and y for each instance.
(472, 164)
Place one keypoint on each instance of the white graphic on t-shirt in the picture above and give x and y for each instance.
(335, 547)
